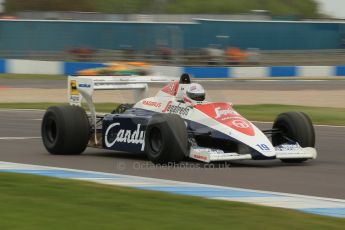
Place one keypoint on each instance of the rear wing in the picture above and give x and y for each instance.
(83, 87)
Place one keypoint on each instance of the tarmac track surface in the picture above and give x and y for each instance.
(321, 177)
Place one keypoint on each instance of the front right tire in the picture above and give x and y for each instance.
(296, 126)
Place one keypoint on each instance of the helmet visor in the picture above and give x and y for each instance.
(196, 96)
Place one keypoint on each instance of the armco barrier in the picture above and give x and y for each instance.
(167, 70)
(208, 72)
(70, 68)
(315, 71)
(249, 72)
(33, 67)
(3, 66)
(340, 71)
(283, 71)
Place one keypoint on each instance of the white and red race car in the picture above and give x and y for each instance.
(171, 126)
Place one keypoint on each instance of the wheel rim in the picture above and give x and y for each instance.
(156, 140)
(51, 130)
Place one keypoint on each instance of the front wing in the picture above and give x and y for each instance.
(285, 151)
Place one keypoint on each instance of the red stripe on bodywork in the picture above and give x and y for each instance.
(171, 89)
(225, 114)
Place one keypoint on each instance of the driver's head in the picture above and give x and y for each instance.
(195, 92)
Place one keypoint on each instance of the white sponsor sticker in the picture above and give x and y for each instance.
(289, 148)
(224, 112)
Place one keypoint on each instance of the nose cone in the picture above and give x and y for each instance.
(238, 127)
(261, 143)
(225, 114)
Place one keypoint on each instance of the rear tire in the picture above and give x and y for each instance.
(296, 126)
(166, 139)
(65, 130)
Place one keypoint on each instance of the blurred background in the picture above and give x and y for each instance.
(175, 32)
(264, 56)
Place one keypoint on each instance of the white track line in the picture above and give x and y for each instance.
(18, 138)
(21, 110)
(329, 126)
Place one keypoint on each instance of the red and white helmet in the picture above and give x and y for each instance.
(195, 92)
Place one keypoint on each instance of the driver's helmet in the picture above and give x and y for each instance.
(195, 92)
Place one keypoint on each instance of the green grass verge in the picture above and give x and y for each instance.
(33, 76)
(301, 8)
(319, 115)
(36, 202)
(304, 8)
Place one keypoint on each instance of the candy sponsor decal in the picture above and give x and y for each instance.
(124, 136)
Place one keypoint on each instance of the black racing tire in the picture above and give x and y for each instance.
(296, 126)
(166, 139)
(65, 130)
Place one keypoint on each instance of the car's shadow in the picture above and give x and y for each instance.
(135, 157)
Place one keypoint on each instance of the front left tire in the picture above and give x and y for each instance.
(166, 139)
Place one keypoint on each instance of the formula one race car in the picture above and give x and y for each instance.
(174, 124)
